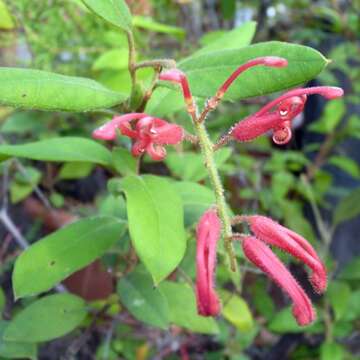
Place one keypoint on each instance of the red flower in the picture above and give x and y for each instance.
(287, 107)
(208, 234)
(268, 232)
(262, 257)
(150, 134)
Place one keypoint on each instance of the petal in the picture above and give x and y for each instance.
(262, 257)
(252, 127)
(282, 136)
(139, 147)
(208, 234)
(274, 234)
(167, 134)
(156, 152)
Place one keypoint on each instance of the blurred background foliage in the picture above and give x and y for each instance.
(311, 185)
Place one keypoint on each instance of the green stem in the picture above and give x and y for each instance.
(208, 153)
(132, 58)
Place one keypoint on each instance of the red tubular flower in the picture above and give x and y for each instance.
(262, 257)
(286, 107)
(274, 234)
(150, 134)
(208, 234)
(177, 76)
(271, 61)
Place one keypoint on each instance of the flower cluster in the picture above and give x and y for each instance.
(266, 232)
(150, 134)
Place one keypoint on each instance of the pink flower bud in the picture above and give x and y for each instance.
(149, 134)
(262, 257)
(274, 234)
(208, 234)
(287, 107)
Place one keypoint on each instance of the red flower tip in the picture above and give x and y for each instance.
(177, 76)
(287, 107)
(271, 61)
(208, 234)
(279, 236)
(149, 134)
(262, 257)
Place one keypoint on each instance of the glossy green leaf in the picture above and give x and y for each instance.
(15, 350)
(351, 271)
(346, 164)
(47, 318)
(182, 306)
(237, 38)
(42, 90)
(137, 292)
(332, 351)
(190, 166)
(148, 23)
(156, 222)
(207, 72)
(67, 149)
(53, 258)
(348, 207)
(75, 170)
(6, 21)
(116, 59)
(116, 12)
(196, 200)
(123, 162)
(236, 311)
(339, 294)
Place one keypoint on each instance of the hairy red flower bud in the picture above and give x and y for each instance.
(287, 107)
(208, 234)
(150, 133)
(262, 257)
(277, 235)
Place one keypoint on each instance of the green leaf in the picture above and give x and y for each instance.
(237, 38)
(15, 350)
(156, 222)
(56, 256)
(207, 72)
(47, 318)
(236, 311)
(332, 351)
(346, 164)
(36, 89)
(353, 310)
(348, 207)
(196, 199)
(6, 21)
(339, 296)
(182, 306)
(123, 162)
(116, 12)
(75, 170)
(351, 270)
(67, 149)
(116, 59)
(148, 23)
(136, 291)
(333, 113)
(190, 166)
(2, 300)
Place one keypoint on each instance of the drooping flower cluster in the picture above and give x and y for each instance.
(266, 232)
(150, 134)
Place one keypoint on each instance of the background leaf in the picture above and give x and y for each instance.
(116, 12)
(67, 149)
(42, 90)
(46, 319)
(137, 292)
(182, 306)
(348, 207)
(53, 258)
(156, 222)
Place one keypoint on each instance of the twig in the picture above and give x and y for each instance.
(11, 227)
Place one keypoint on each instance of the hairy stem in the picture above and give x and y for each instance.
(132, 58)
(207, 150)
